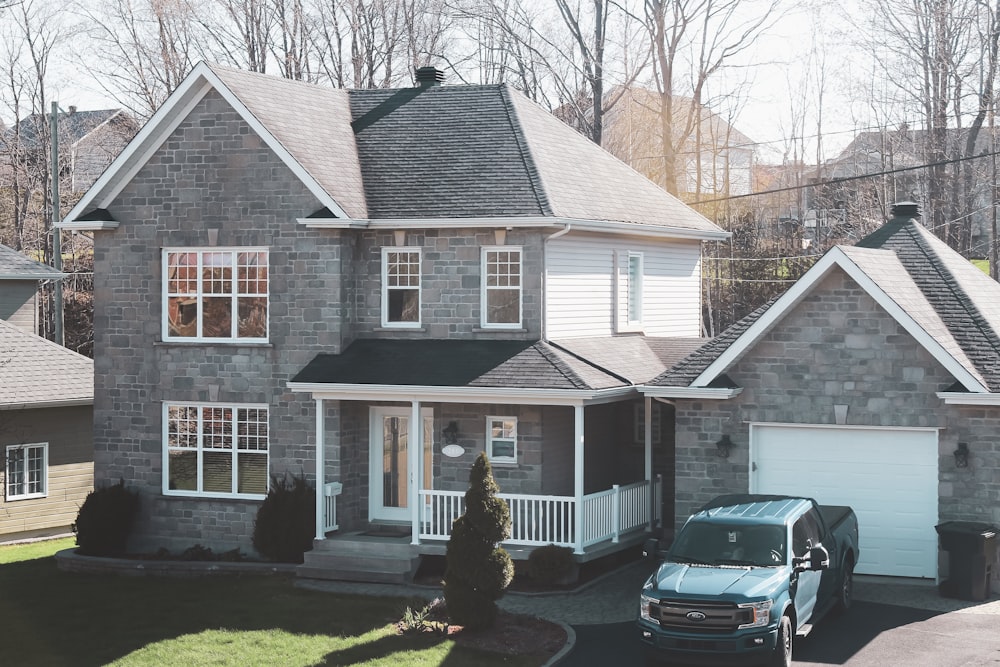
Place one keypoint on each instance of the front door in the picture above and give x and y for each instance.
(389, 489)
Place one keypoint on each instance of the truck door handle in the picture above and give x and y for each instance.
(753, 466)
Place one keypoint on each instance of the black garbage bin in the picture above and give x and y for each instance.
(972, 550)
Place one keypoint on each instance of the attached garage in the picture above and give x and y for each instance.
(888, 475)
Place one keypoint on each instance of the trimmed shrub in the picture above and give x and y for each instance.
(477, 570)
(105, 520)
(286, 521)
(551, 564)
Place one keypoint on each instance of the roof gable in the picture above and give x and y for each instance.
(882, 275)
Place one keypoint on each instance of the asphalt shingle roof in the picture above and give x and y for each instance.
(35, 371)
(15, 266)
(637, 359)
(456, 363)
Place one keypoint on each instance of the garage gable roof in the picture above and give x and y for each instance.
(882, 274)
(36, 373)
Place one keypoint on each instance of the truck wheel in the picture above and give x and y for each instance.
(845, 596)
(782, 656)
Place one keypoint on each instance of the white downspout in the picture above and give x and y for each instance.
(320, 469)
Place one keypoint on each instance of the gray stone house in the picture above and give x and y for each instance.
(46, 414)
(289, 278)
(873, 382)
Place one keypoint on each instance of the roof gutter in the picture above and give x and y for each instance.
(68, 403)
(702, 393)
(437, 394)
(963, 398)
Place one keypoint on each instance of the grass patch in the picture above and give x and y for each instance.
(53, 618)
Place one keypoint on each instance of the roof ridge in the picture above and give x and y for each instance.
(524, 147)
(560, 365)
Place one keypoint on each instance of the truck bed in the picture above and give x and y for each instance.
(834, 514)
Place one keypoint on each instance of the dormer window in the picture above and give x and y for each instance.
(629, 273)
(217, 295)
(401, 287)
(501, 293)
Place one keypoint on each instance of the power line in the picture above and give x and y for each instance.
(845, 179)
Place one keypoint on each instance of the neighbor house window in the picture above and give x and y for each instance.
(501, 295)
(400, 287)
(501, 439)
(27, 471)
(215, 450)
(216, 295)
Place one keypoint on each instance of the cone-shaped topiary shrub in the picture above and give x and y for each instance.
(477, 570)
(105, 520)
(286, 521)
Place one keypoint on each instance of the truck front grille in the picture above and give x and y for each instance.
(707, 616)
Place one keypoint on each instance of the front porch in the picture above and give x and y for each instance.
(612, 520)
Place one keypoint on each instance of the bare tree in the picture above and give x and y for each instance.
(239, 31)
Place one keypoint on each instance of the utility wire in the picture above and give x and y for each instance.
(844, 179)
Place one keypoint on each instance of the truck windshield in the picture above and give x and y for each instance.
(719, 544)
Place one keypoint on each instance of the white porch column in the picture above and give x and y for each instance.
(578, 474)
(320, 469)
(648, 411)
(414, 440)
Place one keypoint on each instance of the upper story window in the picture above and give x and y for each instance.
(628, 287)
(26, 471)
(215, 450)
(501, 297)
(401, 287)
(216, 295)
(501, 439)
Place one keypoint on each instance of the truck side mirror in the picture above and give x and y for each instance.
(819, 558)
(651, 549)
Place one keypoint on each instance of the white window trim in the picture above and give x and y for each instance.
(165, 291)
(167, 491)
(489, 440)
(385, 288)
(623, 321)
(484, 289)
(45, 471)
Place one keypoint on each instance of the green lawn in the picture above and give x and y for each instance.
(49, 617)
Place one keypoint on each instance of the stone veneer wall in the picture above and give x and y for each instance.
(212, 172)
(838, 346)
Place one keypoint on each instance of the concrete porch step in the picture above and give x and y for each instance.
(361, 559)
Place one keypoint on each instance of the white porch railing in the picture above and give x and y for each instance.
(541, 520)
(331, 490)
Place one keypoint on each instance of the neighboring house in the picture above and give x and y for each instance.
(88, 141)
(289, 277)
(46, 413)
(19, 278)
(716, 159)
(873, 382)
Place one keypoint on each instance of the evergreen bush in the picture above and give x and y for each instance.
(551, 564)
(477, 570)
(105, 520)
(286, 521)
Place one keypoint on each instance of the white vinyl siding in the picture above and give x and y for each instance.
(580, 297)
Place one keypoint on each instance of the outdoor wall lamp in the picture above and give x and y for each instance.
(962, 456)
(724, 446)
(450, 433)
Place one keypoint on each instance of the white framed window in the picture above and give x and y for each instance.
(501, 291)
(400, 287)
(217, 295)
(27, 471)
(210, 449)
(629, 273)
(501, 439)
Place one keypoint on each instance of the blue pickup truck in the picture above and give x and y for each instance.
(744, 576)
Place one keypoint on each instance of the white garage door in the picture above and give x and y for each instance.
(889, 477)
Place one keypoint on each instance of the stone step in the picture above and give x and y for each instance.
(397, 548)
(359, 567)
(307, 572)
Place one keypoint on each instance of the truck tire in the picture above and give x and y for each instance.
(845, 592)
(782, 656)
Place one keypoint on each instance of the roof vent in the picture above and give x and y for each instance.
(429, 76)
(905, 209)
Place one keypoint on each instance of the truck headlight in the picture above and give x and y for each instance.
(760, 614)
(644, 602)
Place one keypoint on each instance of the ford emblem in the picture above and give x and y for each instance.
(695, 616)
